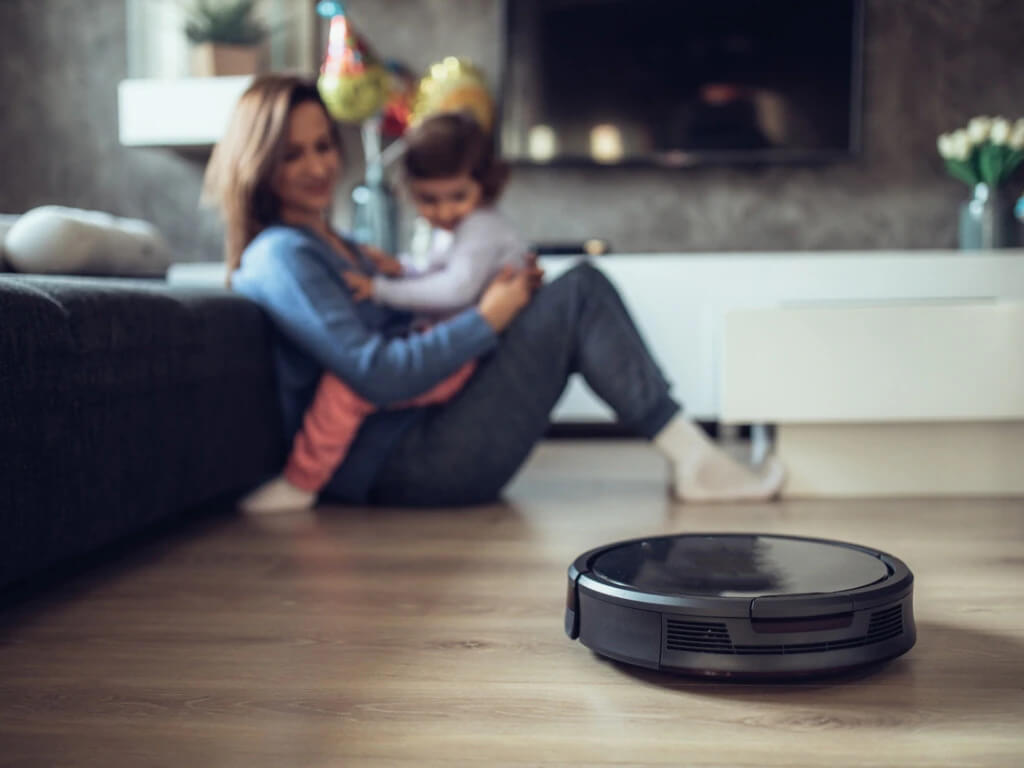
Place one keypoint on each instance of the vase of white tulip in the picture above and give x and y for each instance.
(985, 155)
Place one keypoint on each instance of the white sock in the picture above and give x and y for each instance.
(277, 495)
(702, 472)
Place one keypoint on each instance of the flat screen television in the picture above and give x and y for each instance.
(681, 82)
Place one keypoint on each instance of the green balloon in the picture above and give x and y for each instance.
(353, 98)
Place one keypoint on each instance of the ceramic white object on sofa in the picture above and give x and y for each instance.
(53, 239)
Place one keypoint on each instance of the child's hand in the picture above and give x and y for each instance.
(361, 285)
(385, 263)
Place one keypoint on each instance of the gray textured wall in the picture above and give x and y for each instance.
(930, 65)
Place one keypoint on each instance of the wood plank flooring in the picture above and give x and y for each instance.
(356, 637)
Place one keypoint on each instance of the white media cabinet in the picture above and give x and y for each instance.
(885, 372)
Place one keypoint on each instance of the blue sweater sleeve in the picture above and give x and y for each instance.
(286, 273)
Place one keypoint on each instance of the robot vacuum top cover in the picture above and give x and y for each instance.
(744, 605)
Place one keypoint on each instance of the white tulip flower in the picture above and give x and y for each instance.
(961, 145)
(1000, 130)
(978, 129)
(946, 146)
(1016, 140)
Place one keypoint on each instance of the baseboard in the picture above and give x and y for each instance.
(902, 459)
(580, 430)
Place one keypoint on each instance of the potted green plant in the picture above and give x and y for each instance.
(227, 37)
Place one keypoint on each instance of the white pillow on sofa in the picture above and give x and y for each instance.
(55, 240)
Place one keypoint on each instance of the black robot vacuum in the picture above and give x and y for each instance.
(741, 605)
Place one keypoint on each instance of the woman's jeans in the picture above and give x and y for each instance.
(466, 450)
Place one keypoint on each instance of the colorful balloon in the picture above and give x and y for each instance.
(454, 85)
(401, 95)
(352, 82)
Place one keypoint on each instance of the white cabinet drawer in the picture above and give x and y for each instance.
(915, 361)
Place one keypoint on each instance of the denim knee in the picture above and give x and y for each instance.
(589, 278)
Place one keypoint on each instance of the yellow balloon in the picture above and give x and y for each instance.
(453, 85)
(354, 97)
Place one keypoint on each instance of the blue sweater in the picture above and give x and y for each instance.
(296, 277)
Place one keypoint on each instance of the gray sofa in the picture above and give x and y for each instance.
(124, 404)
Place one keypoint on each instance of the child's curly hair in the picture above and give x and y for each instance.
(451, 144)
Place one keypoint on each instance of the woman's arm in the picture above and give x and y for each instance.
(307, 301)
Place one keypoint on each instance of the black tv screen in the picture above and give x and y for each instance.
(681, 82)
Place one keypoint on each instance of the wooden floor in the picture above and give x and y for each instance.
(412, 638)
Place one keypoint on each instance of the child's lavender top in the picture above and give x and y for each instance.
(482, 244)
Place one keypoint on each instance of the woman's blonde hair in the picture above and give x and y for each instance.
(239, 176)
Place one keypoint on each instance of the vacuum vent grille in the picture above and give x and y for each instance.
(697, 636)
(706, 637)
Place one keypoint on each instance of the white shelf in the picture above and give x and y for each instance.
(179, 112)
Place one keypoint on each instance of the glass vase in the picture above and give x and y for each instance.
(986, 220)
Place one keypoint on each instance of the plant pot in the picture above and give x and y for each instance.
(221, 59)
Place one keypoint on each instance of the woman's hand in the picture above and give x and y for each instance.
(361, 285)
(508, 293)
(385, 263)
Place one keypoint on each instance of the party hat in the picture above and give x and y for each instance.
(352, 82)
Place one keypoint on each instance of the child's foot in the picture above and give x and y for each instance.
(715, 477)
(277, 495)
